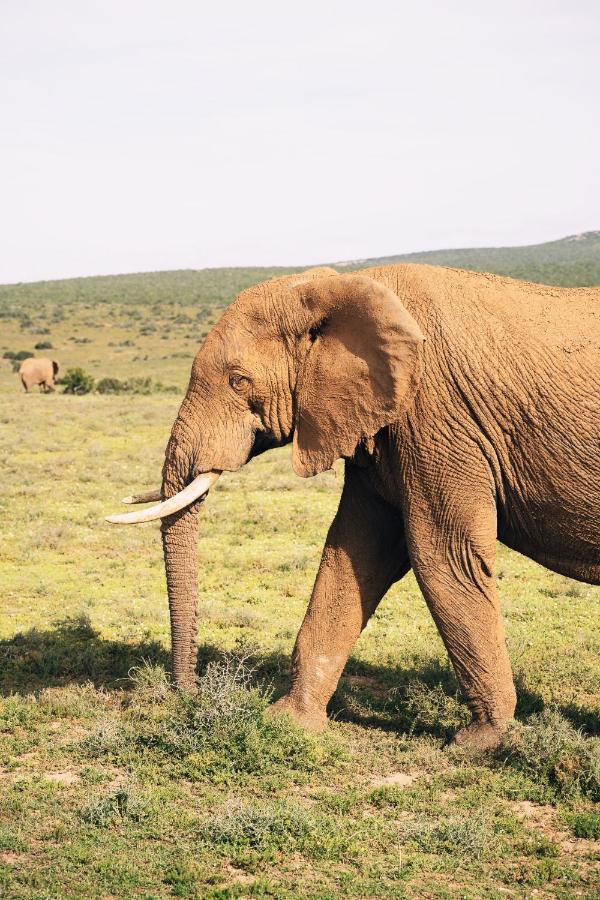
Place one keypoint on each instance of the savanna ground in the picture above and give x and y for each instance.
(111, 785)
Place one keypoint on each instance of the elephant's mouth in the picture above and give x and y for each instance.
(263, 441)
(196, 489)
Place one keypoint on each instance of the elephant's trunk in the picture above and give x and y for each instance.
(180, 547)
(180, 500)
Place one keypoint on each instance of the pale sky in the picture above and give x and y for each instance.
(140, 135)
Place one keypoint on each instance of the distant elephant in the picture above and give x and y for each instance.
(466, 407)
(38, 370)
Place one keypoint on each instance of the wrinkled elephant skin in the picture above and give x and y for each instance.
(467, 408)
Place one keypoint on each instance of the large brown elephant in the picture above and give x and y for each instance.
(467, 408)
(39, 370)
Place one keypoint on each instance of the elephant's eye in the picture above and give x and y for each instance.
(317, 330)
(239, 382)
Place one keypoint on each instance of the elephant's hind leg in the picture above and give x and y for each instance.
(453, 546)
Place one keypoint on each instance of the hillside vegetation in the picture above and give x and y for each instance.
(571, 262)
(112, 785)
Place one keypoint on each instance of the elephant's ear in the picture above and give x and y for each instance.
(361, 369)
(55, 367)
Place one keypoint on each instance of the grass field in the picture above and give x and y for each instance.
(111, 785)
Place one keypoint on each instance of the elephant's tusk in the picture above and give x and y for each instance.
(148, 497)
(195, 489)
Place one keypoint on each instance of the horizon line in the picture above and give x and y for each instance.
(346, 262)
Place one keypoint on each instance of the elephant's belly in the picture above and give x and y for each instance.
(564, 551)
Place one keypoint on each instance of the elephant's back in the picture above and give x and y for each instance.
(28, 366)
(564, 319)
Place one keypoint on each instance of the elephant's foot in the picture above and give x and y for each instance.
(479, 736)
(311, 719)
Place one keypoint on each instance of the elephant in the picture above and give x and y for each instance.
(466, 408)
(40, 371)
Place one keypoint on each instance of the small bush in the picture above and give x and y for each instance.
(152, 684)
(111, 386)
(585, 825)
(221, 731)
(19, 355)
(435, 709)
(143, 386)
(544, 848)
(471, 835)
(76, 381)
(44, 345)
(182, 878)
(138, 386)
(161, 388)
(547, 748)
(109, 738)
(258, 826)
(119, 806)
(390, 795)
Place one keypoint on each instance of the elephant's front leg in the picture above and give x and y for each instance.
(364, 554)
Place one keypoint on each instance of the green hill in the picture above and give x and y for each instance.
(570, 261)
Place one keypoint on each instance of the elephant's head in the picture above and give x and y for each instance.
(318, 359)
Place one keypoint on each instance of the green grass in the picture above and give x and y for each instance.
(113, 785)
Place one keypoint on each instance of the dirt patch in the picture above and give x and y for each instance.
(10, 858)
(238, 876)
(62, 777)
(543, 818)
(400, 779)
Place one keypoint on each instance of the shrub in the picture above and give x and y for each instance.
(19, 355)
(76, 381)
(430, 708)
(259, 826)
(161, 388)
(44, 345)
(111, 386)
(139, 385)
(123, 804)
(585, 825)
(221, 731)
(472, 836)
(134, 386)
(547, 748)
